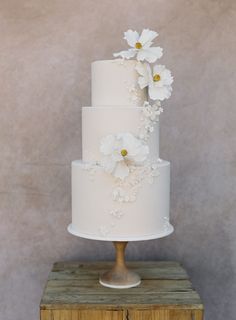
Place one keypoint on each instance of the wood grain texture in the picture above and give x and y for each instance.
(92, 270)
(45, 315)
(119, 276)
(142, 314)
(165, 314)
(82, 314)
(165, 293)
(197, 314)
(148, 315)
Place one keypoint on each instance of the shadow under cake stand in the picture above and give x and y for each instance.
(120, 277)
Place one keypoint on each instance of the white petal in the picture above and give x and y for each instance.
(143, 71)
(167, 77)
(128, 141)
(158, 69)
(141, 68)
(131, 37)
(148, 55)
(143, 82)
(157, 51)
(126, 54)
(116, 156)
(121, 171)
(147, 36)
(156, 93)
(137, 150)
(150, 76)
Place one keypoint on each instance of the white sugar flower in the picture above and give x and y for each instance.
(141, 46)
(158, 80)
(122, 151)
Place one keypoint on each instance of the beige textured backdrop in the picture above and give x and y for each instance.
(45, 53)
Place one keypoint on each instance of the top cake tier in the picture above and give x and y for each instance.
(115, 83)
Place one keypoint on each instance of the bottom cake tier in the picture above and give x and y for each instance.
(101, 212)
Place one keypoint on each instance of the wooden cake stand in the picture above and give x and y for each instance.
(120, 277)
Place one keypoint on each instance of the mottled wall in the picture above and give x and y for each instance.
(45, 54)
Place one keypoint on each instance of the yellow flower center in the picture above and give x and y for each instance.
(138, 45)
(156, 77)
(124, 152)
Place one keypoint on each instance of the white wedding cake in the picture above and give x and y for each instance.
(121, 187)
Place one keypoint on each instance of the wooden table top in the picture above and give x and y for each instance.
(74, 285)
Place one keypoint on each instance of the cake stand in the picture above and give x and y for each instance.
(120, 277)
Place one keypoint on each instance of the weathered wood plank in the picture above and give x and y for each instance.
(146, 283)
(86, 314)
(121, 307)
(65, 315)
(151, 273)
(132, 314)
(75, 315)
(174, 314)
(181, 315)
(148, 315)
(74, 286)
(56, 314)
(88, 287)
(45, 315)
(100, 314)
(198, 314)
(164, 298)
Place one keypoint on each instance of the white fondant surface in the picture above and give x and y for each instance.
(114, 83)
(72, 230)
(100, 122)
(92, 203)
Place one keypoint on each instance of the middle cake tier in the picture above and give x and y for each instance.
(97, 123)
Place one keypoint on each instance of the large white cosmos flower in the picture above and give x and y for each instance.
(158, 80)
(141, 46)
(122, 151)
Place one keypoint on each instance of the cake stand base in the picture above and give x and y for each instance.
(120, 277)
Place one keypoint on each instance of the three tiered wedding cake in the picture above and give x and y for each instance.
(120, 188)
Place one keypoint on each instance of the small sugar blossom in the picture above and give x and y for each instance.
(152, 111)
(150, 117)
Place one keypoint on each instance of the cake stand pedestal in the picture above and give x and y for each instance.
(120, 277)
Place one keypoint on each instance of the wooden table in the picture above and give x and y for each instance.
(165, 293)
